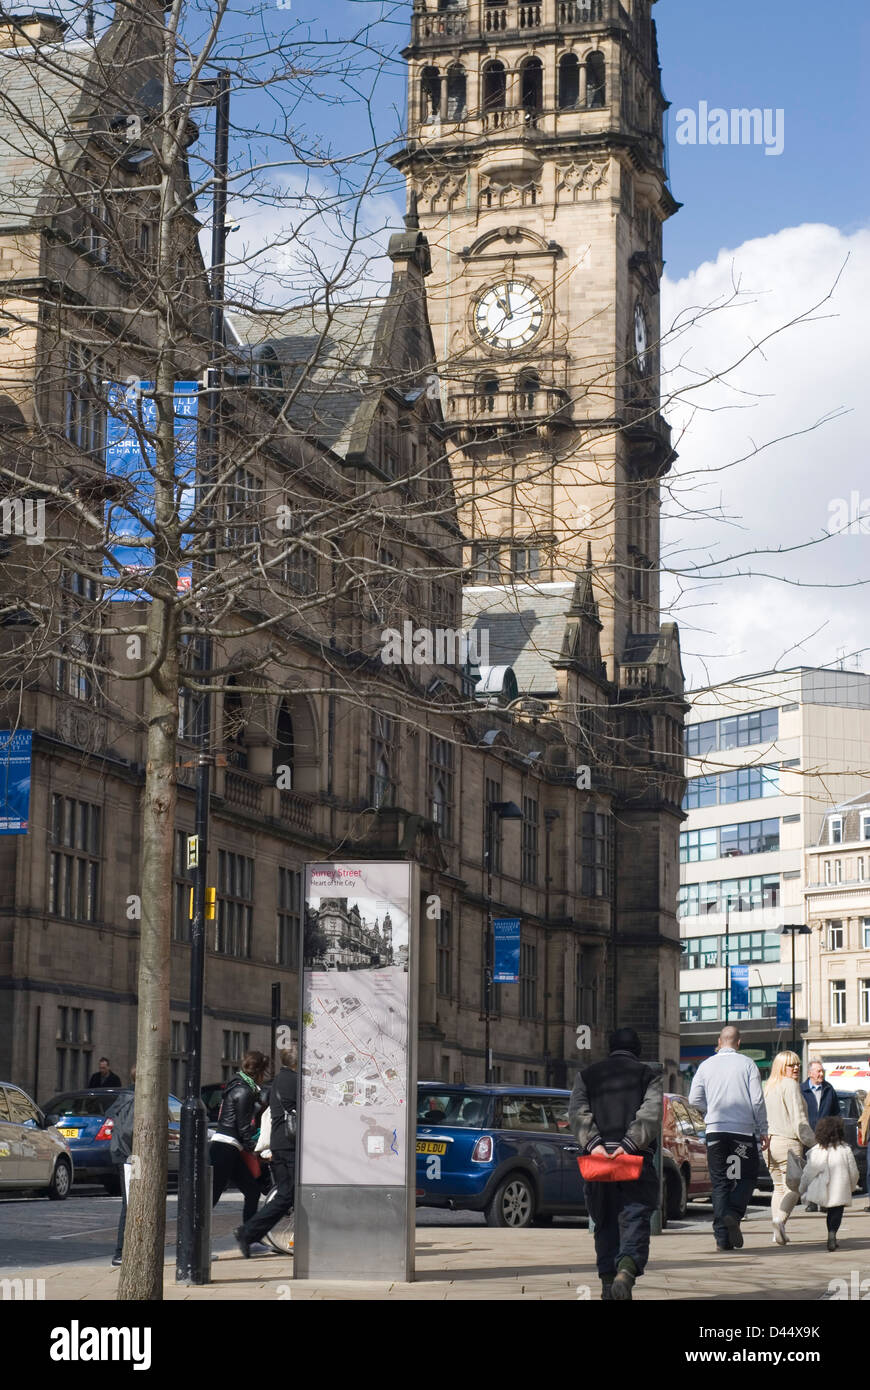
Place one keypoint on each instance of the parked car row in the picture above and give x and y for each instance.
(508, 1152)
(81, 1118)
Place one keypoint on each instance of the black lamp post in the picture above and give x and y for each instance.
(493, 811)
(794, 929)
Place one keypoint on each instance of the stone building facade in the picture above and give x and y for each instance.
(322, 750)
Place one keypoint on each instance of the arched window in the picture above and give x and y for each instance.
(285, 748)
(569, 81)
(528, 386)
(532, 84)
(494, 86)
(235, 721)
(430, 94)
(455, 93)
(487, 392)
(596, 82)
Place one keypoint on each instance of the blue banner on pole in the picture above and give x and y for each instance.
(506, 970)
(15, 758)
(739, 988)
(130, 455)
(783, 1008)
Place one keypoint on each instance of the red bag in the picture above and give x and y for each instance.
(623, 1168)
(252, 1163)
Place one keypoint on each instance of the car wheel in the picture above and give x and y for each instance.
(61, 1181)
(676, 1195)
(513, 1204)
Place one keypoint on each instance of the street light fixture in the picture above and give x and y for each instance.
(794, 929)
(494, 811)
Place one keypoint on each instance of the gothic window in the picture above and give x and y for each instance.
(525, 562)
(455, 93)
(569, 81)
(596, 83)
(235, 720)
(78, 641)
(494, 86)
(532, 80)
(85, 411)
(430, 89)
(485, 562)
(381, 757)
(440, 777)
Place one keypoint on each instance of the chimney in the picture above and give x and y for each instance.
(30, 28)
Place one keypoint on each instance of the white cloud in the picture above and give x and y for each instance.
(748, 611)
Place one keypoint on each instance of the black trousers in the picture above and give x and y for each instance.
(122, 1219)
(733, 1163)
(230, 1167)
(834, 1218)
(284, 1173)
(622, 1212)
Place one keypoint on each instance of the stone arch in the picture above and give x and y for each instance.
(297, 742)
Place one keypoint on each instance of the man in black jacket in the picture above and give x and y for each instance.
(236, 1133)
(616, 1108)
(819, 1095)
(282, 1145)
(120, 1112)
(104, 1076)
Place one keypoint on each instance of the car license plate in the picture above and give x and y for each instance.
(69, 1133)
(429, 1146)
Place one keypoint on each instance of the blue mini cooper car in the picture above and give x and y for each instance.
(504, 1150)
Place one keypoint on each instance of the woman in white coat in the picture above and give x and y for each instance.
(831, 1173)
(790, 1133)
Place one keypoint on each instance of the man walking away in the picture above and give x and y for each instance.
(282, 1145)
(120, 1112)
(104, 1077)
(819, 1095)
(616, 1108)
(727, 1091)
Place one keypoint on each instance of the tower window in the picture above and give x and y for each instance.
(494, 86)
(528, 386)
(430, 89)
(596, 82)
(487, 392)
(532, 84)
(456, 93)
(569, 81)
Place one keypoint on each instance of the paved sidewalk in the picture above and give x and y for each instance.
(478, 1262)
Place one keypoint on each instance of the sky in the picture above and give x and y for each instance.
(767, 555)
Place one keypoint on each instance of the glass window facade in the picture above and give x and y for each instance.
(737, 731)
(745, 894)
(721, 789)
(728, 841)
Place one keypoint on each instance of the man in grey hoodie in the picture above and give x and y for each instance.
(727, 1091)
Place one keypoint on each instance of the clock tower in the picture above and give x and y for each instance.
(535, 167)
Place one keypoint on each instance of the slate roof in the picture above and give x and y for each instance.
(526, 625)
(341, 347)
(39, 94)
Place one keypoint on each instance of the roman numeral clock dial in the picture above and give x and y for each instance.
(508, 315)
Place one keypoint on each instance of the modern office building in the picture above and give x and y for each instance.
(766, 757)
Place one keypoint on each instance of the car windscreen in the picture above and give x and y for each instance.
(451, 1109)
(96, 1104)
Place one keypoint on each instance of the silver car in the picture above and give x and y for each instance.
(32, 1153)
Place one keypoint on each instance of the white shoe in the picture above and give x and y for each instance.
(779, 1235)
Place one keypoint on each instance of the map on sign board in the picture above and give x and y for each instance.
(355, 1012)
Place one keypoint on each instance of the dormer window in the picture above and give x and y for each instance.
(835, 830)
(268, 375)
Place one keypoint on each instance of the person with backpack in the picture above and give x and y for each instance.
(232, 1146)
(120, 1112)
(282, 1146)
(830, 1175)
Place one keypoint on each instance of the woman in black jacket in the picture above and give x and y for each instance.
(237, 1132)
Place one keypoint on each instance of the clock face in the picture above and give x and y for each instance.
(508, 315)
(641, 337)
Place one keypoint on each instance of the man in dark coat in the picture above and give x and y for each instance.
(104, 1077)
(120, 1112)
(282, 1146)
(616, 1108)
(819, 1095)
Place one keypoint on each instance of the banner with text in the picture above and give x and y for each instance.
(15, 760)
(506, 969)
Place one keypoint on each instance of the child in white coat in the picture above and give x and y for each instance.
(831, 1174)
